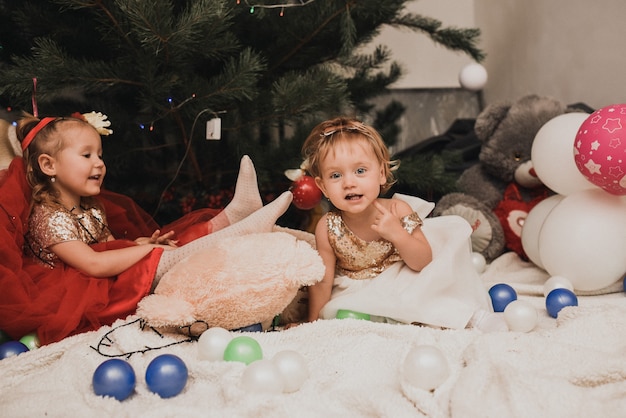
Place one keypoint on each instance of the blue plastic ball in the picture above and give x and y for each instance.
(624, 283)
(558, 299)
(166, 375)
(501, 295)
(250, 328)
(12, 348)
(115, 378)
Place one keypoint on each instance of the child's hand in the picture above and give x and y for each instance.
(292, 325)
(387, 224)
(157, 238)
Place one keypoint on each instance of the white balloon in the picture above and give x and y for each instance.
(473, 77)
(479, 262)
(293, 369)
(520, 316)
(532, 226)
(552, 154)
(425, 367)
(557, 282)
(262, 376)
(584, 239)
(212, 343)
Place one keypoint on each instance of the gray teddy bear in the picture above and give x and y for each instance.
(507, 131)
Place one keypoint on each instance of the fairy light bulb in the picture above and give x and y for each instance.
(282, 5)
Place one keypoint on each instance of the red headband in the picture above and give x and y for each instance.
(31, 135)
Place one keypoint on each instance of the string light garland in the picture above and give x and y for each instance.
(172, 108)
(281, 6)
(107, 344)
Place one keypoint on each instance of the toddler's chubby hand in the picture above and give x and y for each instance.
(387, 222)
(161, 240)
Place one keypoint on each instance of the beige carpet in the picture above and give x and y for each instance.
(572, 366)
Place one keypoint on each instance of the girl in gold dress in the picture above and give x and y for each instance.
(381, 257)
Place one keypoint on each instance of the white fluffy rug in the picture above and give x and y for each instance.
(571, 366)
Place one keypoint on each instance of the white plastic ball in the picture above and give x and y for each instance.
(584, 239)
(425, 367)
(520, 316)
(552, 154)
(479, 262)
(212, 343)
(293, 369)
(532, 227)
(262, 376)
(557, 282)
(473, 77)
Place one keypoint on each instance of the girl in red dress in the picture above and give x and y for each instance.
(74, 275)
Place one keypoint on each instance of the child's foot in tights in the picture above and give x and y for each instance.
(246, 199)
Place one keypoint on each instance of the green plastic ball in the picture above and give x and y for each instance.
(244, 349)
(31, 341)
(345, 313)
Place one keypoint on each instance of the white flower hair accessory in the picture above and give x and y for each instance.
(96, 119)
(294, 174)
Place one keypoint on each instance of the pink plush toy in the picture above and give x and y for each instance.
(240, 281)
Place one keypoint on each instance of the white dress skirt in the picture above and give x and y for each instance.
(446, 293)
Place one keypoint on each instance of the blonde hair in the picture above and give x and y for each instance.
(325, 136)
(49, 140)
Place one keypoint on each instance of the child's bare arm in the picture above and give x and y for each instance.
(319, 293)
(107, 263)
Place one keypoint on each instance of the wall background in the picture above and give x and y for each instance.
(572, 50)
(426, 64)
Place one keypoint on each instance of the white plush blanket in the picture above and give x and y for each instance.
(571, 366)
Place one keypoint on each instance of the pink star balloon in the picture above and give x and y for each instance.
(600, 148)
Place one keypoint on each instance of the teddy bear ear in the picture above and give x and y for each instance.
(489, 119)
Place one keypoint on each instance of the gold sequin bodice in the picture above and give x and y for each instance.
(360, 259)
(49, 225)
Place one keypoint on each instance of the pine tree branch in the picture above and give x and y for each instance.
(455, 39)
(99, 5)
(305, 40)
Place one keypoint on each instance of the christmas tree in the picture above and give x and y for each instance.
(161, 69)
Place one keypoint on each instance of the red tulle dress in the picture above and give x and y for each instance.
(59, 302)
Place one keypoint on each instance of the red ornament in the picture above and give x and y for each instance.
(306, 194)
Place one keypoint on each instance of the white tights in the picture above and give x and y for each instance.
(262, 220)
(245, 201)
